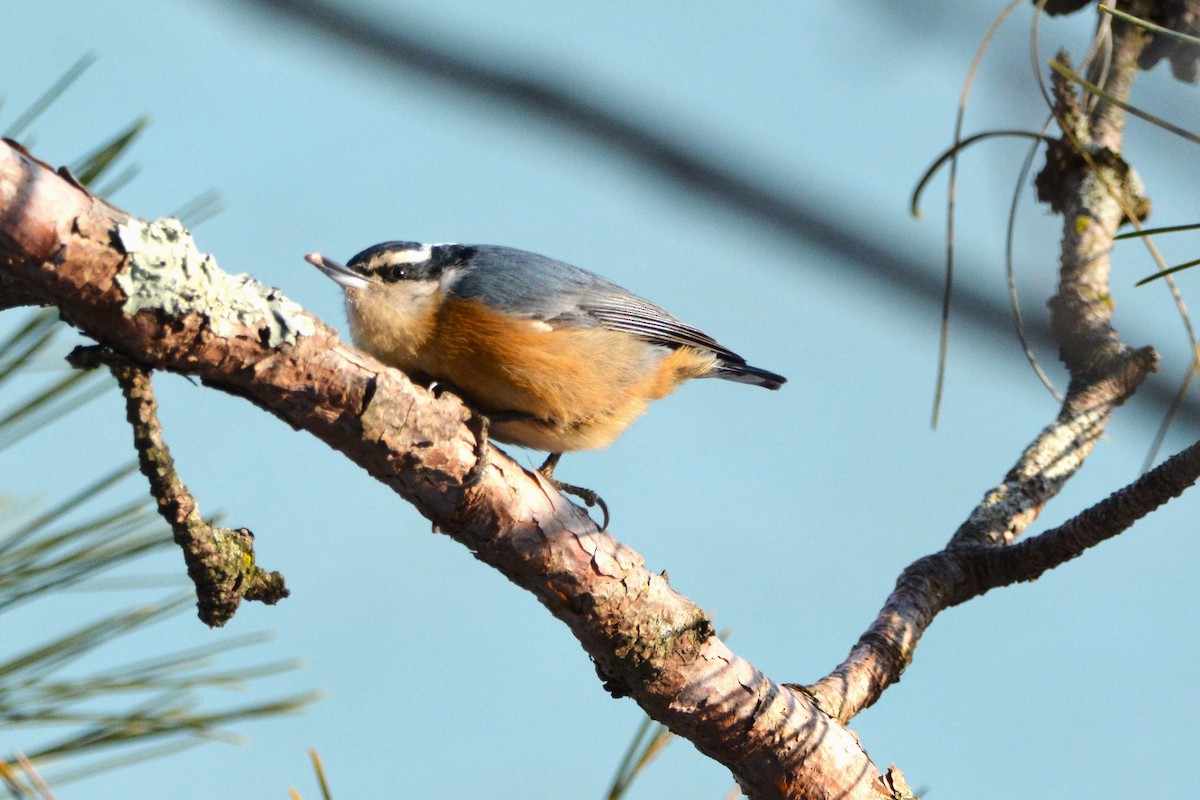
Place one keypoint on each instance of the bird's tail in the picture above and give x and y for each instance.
(744, 373)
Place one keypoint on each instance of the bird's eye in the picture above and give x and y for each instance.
(396, 272)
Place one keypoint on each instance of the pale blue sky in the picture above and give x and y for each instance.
(788, 515)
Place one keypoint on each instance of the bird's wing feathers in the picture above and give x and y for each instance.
(562, 295)
(631, 314)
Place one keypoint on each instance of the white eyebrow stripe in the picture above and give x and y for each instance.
(392, 258)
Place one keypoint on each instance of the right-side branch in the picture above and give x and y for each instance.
(1090, 185)
(1028, 560)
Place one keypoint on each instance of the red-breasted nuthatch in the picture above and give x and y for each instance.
(555, 357)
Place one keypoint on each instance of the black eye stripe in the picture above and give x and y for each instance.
(392, 262)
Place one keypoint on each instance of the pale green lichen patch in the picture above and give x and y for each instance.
(166, 272)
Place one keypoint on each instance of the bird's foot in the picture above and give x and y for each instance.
(589, 497)
(479, 425)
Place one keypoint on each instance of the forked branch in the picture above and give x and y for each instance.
(1090, 185)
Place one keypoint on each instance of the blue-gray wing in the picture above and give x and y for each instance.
(562, 295)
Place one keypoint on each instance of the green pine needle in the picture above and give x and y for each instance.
(97, 163)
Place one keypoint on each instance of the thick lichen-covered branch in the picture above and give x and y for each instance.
(60, 247)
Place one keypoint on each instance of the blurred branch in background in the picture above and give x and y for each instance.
(813, 220)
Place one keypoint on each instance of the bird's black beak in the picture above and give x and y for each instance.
(340, 273)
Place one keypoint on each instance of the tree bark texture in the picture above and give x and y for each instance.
(143, 290)
(1088, 183)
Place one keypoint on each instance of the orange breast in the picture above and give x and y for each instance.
(579, 388)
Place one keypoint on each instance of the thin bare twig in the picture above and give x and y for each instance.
(220, 561)
(951, 194)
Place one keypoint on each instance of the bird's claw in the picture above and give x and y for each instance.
(589, 497)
